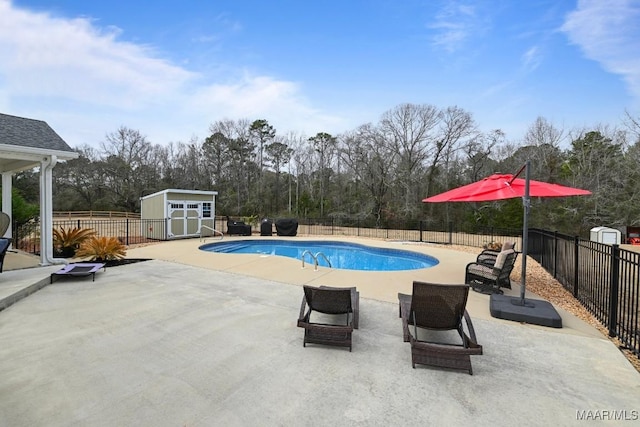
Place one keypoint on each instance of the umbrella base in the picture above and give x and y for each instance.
(533, 311)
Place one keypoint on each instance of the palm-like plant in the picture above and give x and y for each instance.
(68, 240)
(102, 249)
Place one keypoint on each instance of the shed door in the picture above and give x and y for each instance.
(184, 218)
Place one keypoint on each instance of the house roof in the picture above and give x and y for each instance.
(24, 142)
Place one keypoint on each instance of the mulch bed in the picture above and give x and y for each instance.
(125, 261)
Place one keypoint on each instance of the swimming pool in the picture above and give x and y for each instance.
(349, 256)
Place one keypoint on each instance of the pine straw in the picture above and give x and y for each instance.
(541, 283)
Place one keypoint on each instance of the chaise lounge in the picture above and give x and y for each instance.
(438, 307)
(328, 306)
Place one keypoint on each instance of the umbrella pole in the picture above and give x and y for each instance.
(526, 204)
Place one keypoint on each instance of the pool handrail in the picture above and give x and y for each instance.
(315, 259)
(325, 258)
(203, 238)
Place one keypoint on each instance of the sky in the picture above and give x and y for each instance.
(170, 69)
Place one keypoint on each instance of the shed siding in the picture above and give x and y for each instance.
(184, 222)
(153, 207)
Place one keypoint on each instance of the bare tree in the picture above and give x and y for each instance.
(127, 167)
(547, 158)
(455, 124)
(409, 128)
(279, 154)
(323, 143)
(371, 159)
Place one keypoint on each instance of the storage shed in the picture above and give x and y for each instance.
(607, 235)
(186, 212)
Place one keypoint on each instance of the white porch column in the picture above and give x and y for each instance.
(7, 182)
(46, 211)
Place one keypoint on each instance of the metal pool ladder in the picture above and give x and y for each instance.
(215, 232)
(315, 258)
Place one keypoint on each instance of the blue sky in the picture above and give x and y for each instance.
(171, 68)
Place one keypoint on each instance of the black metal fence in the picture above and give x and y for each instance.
(604, 278)
(135, 230)
(417, 231)
(129, 231)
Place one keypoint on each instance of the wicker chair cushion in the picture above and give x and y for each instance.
(482, 270)
(508, 245)
(502, 256)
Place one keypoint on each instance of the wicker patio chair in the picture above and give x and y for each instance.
(489, 279)
(5, 221)
(436, 307)
(335, 315)
(489, 256)
(4, 247)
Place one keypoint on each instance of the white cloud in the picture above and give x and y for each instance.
(46, 56)
(454, 25)
(531, 59)
(86, 81)
(608, 31)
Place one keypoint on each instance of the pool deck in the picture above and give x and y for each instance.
(199, 339)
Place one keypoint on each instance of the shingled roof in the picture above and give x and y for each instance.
(31, 133)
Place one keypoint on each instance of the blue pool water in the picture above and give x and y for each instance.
(350, 256)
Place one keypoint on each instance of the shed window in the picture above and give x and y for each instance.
(206, 210)
(177, 206)
(192, 206)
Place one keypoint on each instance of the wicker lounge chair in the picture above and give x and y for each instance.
(489, 256)
(335, 315)
(436, 307)
(489, 279)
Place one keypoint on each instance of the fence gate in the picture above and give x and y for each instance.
(185, 218)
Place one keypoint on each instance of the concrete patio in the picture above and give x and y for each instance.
(201, 339)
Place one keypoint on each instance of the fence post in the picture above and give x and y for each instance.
(575, 266)
(555, 254)
(421, 228)
(127, 233)
(613, 289)
(450, 232)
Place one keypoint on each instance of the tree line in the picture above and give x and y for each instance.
(377, 172)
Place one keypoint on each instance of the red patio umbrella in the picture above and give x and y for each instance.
(504, 186)
(507, 186)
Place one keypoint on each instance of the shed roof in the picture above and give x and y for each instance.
(181, 191)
